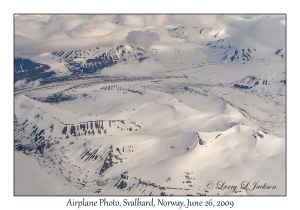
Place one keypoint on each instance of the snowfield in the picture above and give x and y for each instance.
(127, 140)
(194, 114)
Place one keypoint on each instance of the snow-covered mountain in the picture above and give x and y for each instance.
(178, 32)
(229, 53)
(92, 60)
(206, 30)
(141, 142)
(75, 61)
(266, 84)
(207, 109)
(204, 44)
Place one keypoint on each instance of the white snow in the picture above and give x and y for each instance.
(187, 118)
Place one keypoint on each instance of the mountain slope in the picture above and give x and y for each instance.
(91, 60)
(154, 144)
(30, 70)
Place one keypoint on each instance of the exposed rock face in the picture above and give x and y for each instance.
(89, 61)
(26, 68)
(230, 53)
(100, 127)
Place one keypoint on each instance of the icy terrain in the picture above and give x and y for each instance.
(190, 110)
